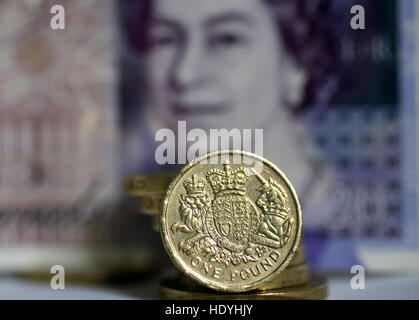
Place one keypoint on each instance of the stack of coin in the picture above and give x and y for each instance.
(314, 289)
(295, 282)
(215, 244)
(150, 192)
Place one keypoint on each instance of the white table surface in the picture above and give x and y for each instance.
(377, 287)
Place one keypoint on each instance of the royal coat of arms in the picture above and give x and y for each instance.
(226, 225)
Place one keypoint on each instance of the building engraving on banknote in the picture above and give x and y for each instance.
(231, 229)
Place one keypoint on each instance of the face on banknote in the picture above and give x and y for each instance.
(336, 105)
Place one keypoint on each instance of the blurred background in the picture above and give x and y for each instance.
(79, 109)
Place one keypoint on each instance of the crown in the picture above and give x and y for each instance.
(194, 186)
(228, 181)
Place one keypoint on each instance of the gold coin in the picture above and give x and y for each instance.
(147, 186)
(299, 256)
(151, 205)
(290, 277)
(231, 221)
(315, 289)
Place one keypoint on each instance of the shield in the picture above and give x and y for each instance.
(224, 227)
(233, 217)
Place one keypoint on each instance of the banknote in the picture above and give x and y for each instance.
(59, 176)
(371, 144)
(348, 142)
